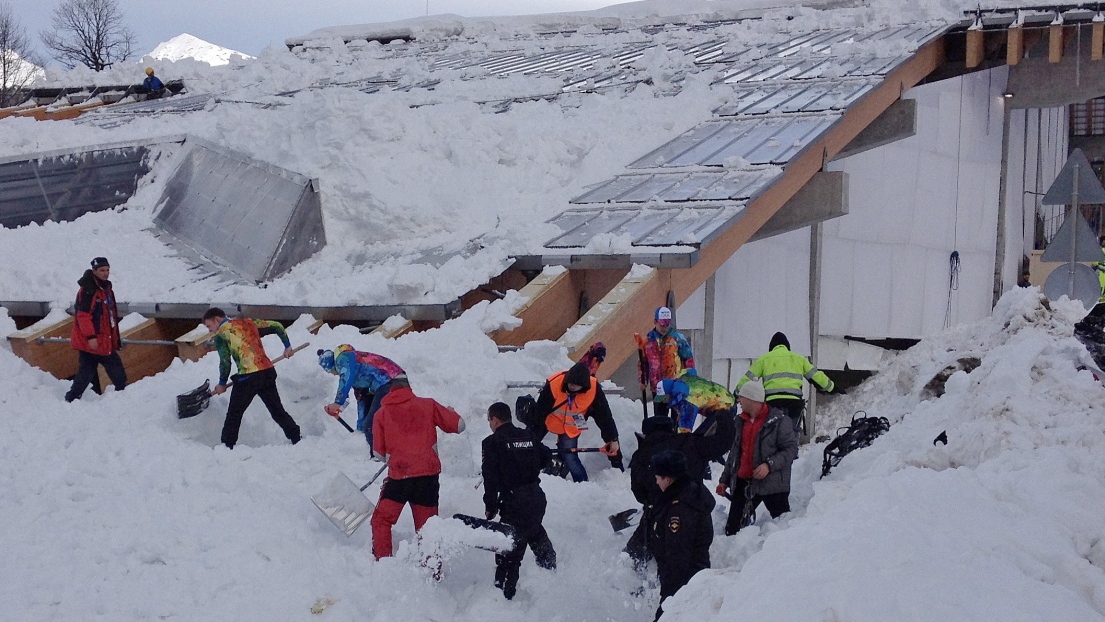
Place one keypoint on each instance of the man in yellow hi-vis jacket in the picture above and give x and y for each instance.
(783, 373)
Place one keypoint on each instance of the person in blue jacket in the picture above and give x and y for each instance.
(153, 83)
(368, 375)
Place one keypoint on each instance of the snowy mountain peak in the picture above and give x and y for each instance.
(185, 45)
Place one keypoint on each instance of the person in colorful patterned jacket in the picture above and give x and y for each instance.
(783, 373)
(240, 339)
(668, 354)
(95, 333)
(368, 375)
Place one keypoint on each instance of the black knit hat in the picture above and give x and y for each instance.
(99, 262)
(779, 339)
(579, 375)
(669, 463)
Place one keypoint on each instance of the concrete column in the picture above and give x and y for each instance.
(815, 320)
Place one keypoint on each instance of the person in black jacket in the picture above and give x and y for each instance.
(680, 530)
(699, 448)
(512, 463)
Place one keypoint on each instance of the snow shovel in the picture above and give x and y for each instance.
(478, 523)
(625, 519)
(345, 504)
(195, 401)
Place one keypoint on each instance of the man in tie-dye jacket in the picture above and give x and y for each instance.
(240, 339)
(368, 375)
(667, 355)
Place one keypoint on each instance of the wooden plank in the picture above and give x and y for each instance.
(1097, 41)
(553, 303)
(1014, 49)
(58, 359)
(394, 330)
(975, 49)
(616, 332)
(612, 316)
(1055, 43)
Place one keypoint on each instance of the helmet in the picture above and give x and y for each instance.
(149, 71)
(326, 360)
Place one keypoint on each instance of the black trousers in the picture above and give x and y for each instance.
(778, 504)
(523, 509)
(248, 386)
(86, 373)
(793, 407)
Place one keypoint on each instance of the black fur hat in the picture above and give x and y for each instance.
(669, 463)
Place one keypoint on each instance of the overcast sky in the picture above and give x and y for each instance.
(251, 25)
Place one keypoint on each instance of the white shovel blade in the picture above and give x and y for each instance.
(344, 504)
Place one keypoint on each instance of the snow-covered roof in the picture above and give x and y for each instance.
(443, 158)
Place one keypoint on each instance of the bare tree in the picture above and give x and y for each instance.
(17, 69)
(89, 33)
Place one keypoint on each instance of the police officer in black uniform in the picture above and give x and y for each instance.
(680, 529)
(512, 463)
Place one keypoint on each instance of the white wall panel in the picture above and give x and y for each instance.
(761, 289)
(911, 204)
(886, 265)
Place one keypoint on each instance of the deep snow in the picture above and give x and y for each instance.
(114, 509)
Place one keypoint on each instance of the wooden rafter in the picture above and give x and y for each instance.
(1055, 43)
(634, 313)
(1097, 41)
(1014, 50)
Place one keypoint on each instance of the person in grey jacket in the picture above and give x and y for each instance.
(758, 468)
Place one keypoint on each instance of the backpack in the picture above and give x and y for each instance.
(859, 434)
(525, 410)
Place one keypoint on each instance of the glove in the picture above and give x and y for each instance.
(721, 488)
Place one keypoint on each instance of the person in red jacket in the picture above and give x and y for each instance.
(95, 333)
(404, 431)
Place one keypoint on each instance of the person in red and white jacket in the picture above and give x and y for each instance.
(404, 432)
(95, 333)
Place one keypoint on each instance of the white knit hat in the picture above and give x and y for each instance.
(753, 390)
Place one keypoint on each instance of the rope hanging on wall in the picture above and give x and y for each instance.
(953, 269)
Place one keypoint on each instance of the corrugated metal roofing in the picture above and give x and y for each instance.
(722, 185)
(786, 95)
(740, 141)
(650, 226)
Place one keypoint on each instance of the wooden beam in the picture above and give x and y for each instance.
(1014, 48)
(1055, 43)
(68, 112)
(553, 303)
(394, 330)
(635, 315)
(613, 315)
(1097, 41)
(191, 346)
(58, 359)
(975, 48)
(550, 302)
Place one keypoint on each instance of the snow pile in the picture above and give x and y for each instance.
(185, 45)
(1002, 523)
(21, 72)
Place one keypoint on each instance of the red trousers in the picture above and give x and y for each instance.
(393, 496)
